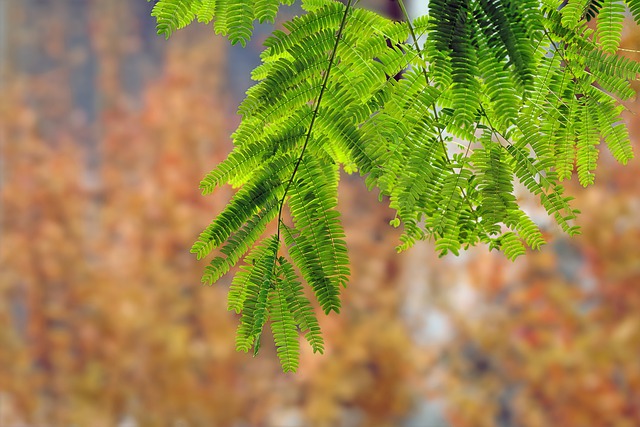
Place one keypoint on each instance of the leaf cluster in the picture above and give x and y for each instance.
(492, 96)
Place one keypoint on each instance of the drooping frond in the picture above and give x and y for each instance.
(239, 244)
(592, 9)
(634, 7)
(250, 293)
(610, 21)
(498, 207)
(300, 306)
(284, 328)
(174, 14)
(614, 132)
(588, 139)
(287, 151)
(232, 18)
(449, 116)
(609, 68)
(317, 243)
(205, 11)
(266, 188)
(509, 27)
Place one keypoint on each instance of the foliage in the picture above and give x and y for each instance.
(500, 93)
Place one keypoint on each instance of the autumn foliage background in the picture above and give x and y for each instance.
(106, 132)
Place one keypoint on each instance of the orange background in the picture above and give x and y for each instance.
(106, 133)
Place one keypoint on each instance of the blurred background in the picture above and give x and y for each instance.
(106, 131)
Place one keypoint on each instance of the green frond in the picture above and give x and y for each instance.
(283, 326)
(508, 27)
(634, 7)
(222, 17)
(172, 15)
(610, 66)
(250, 291)
(610, 21)
(206, 10)
(247, 159)
(300, 306)
(614, 132)
(588, 139)
(565, 144)
(504, 101)
(238, 244)
(322, 20)
(592, 9)
(443, 222)
(266, 10)
(244, 340)
(403, 154)
(313, 5)
(233, 18)
(494, 183)
(268, 184)
(572, 13)
(466, 88)
(511, 245)
(498, 207)
(447, 18)
(238, 22)
(528, 231)
(317, 244)
(536, 176)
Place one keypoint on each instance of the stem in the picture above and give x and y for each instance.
(424, 71)
(435, 111)
(315, 112)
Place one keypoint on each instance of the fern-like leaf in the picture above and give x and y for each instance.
(317, 244)
(172, 15)
(250, 292)
(283, 326)
(238, 244)
(300, 306)
(233, 18)
(588, 139)
(610, 25)
(634, 7)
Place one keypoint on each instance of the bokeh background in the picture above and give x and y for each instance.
(106, 131)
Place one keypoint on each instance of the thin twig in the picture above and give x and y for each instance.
(315, 113)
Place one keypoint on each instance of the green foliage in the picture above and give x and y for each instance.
(610, 25)
(501, 95)
(233, 18)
